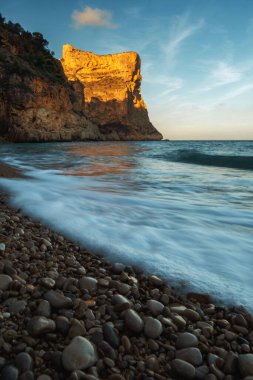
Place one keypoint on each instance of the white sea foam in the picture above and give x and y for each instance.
(184, 222)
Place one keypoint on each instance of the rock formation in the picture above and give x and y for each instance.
(112, 92)
(39, 101)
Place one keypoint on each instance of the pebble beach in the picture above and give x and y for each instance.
(68, 314)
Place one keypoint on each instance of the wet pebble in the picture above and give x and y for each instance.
(79, 354)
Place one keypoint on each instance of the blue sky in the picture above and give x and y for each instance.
(197, 55)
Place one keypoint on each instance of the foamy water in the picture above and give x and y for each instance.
(182, 210)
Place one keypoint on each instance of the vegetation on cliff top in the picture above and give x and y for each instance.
(26, 53)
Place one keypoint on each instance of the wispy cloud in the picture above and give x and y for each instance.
(180, 31)
(222, 74)
(93, 17)
(240, 90)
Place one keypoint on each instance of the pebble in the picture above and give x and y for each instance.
(17, 307)
(155, 307)
(40, 325)
(57, 300)
(133, 321)
(183, 369)
(246, 364)
(44, 377)
(9, 373)
(43, 309)
(5, 281)
(79, 354)
(2, 247)
(152, 328)
(186, 339)
(23, 362)
(191, 355)
(47, 282)
(88, 283)
(110, 335)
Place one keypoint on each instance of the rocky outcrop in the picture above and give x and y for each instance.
(85, 97)
(112, 92)
(37, 103)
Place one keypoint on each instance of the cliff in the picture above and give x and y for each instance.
(37, 102)
(83, 97)
(112, 96)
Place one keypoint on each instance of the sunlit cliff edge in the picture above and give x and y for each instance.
(82, 97)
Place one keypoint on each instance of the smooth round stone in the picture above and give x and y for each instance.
(246, 364)
(88, 283)
(191, 355)
(9, 373)
(28, 375)
(44, 377)
(183, 369)
(110, 335)
(2, 247)
(118, 299)
(156, 281)
(62, 324)
(79, 354)
(152, 328)
(58, 300)
(47, 282)
(23, 361)
(192, 315)
(186, 339)
(76, 329)
(40, 325)
(133, 321)
(5, 281)
(123, 288)
(179, 321)
(43, 309)
(17, 307)
(155, 307)
(118, 268)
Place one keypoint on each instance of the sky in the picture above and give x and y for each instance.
(197, 55)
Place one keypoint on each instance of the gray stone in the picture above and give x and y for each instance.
(155, 307)
(2, 247)
(155, 280)
(183, 369)
(246, 364)
(79, 354)
(88, 283)
(23, 361)
(152, 328)
(62, 324)
(57, 300)
(44, 309)
(9, 373)
(110, 335)
(47, 282)
(40, 325)
(186, 339)
(191, 355)
(17, 307)
(44, 377)
(5, 281)
(192, 315)
(76, 329)
(133, 321)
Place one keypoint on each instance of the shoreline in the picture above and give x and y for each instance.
(53, 291)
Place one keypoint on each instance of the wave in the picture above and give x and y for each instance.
(190, 156)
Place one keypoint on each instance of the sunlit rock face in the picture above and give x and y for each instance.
(112, 97)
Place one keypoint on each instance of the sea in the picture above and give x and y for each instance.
(182, 210)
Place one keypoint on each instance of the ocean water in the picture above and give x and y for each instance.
(181, 210)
